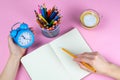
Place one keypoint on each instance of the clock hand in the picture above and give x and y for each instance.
(23, 36)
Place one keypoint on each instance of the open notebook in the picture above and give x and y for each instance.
(49, 62)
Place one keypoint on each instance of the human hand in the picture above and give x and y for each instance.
(95, 60)
(14, 49)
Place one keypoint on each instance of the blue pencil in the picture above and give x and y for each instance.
(43, 12)
(53, 14)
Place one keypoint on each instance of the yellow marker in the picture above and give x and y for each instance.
(40, 16)
(85, 64)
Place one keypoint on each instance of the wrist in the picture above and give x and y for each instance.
(111, 69)
(15, 57)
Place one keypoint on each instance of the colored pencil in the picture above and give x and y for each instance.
(74, 56)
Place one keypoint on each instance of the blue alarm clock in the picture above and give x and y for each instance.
(22, 36)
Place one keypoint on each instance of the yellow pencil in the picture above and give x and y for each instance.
(85, 64)
(40, 16)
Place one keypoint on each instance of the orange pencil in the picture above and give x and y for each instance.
(40, 24)
(85, 64)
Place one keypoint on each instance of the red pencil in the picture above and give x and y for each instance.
(49, 13)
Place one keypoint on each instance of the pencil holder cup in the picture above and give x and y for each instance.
(48, 20)
(51, 33)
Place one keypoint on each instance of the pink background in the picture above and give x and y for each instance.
(105, 38)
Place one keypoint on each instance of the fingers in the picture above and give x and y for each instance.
(86, 57)
(86, 60)
(83, 59)
(83, 67)
(87, 54)
(10, 41)
(9, 38)
(32, 29)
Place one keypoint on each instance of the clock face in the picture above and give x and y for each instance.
(25, 38)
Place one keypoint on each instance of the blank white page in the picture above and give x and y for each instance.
(42, 64)
(75, 43)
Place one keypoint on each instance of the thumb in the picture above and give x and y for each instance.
(10, 41)
(83, 67)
